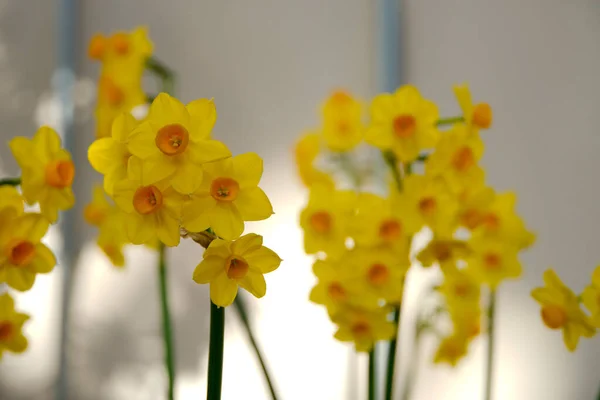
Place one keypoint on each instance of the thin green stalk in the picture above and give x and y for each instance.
(449, 121)
(391, 359)
(215, 352)
(490, 350)
(10, 181)
(166, 322)
(166, 75)
(392, 162)
(372, 374)
(241, 309)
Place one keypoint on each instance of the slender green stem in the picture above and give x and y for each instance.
(10, 182)
(166, 75)
(166, 322)
(449, 121)
(215, 351)
(490, 349)
(422, 157)
(241, 309)
(391, 358)
(392, 162)
(372, 374)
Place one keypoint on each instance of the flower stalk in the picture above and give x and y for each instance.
(215, 352)
(490, 349)
(10, 182)
(372, 374)
(449, 121)
(166, 323)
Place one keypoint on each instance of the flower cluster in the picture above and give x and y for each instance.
(363, 236)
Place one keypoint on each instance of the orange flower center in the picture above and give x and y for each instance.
(224, 189)
(93, 214)
(474, 329)
(172, 139)
(340, 98)
(113, 94)
(492, 261)
(390, 230)
(461, 289)
(6, 330)
(110, 250)
(343, 128)
(482, 116)
(378, 274)
(236, 267)
(554, 317)
(336, 291)
(97, 47)
(21, 252)
(147, 199)
(120, 42)
(427, 206)
(471, 219)
(361, 329)
(463, 159)
(404, 126)
(321, 221)
(491, 221)
(60, 173)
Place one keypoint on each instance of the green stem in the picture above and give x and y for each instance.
(10, 182)
(391, 358)
(372, 374)
(392, 162)
(166, 321)
(490, 348)
(166, 75)
(241, 309)
(449, 121)
(215, 352)
(422, 157)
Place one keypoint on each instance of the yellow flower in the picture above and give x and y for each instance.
(228, 264)
(383, 271)
(174, 141)
(456, 159)
(446, 252)
(492, 261)
(561, 310)
(466, 319)
(591, 297)
(152, 211)
(11, 327)
(403, 122)
(47, 171)
(427, 201)
(306, 151)
(110, 155)
(459, 289)
(451, 349)
(474, 201)
(325, 220)
(340, 283)
(477, 116)
(112, 238)
(342, 122)
(10, 197)
(97, 211)
(363, 327)
(228, 196)
(22, 254)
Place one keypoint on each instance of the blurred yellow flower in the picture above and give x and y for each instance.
(174, 141)
(11, 327)
(477, 116)
(10, 197)
(492, 261)
(229, 264)
(474, 202)
(383, 271)
(561, 310)
(306, 151)
(403, 122)
(451, 349)
(97, 211)
(228, 195)
(445, 252)
(459, 289)
(363, 327)
(47, 171)
(342, 122)
(591, 297)
(112, 237)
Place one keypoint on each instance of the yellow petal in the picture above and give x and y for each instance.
(254, 282)
(142, 141)
(166, 110)
(379, 137)
(203, 115)
(205, 151)
(31, 226)
(552, 280)
(123, 126)
(263, 259)
(543, 296)
(218, 248)
(382, 107)
(596, 277)
(17, 344)
(155, 169)
(19, 278)
(187, 178)
(46, 143)
(253, 204)
(101, 154)
(21, 148)
(223, 290)
(226, 221)
(167, 229)
(247, 244)
(208, 269)
(570, 336)
(44, 260)
(123, 195)
(140, 229)
(247, 169)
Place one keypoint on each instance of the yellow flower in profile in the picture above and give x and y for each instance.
(492, 261)
(451, 349)
(445, 252)
(591, 297)
(228, 264)
(325, 220)
(306, 151)
(47, 171)
(363, 327)
(23, 256)
(342, 122)
(11, 327)
(10, 197)
(383, 271)
(428, 201)
(456, 159)
(174, 141)
(477, 116)
(112, 237)
(466, 319)
(561, 310)
(228, 196)
(152, 211)
(474, 201)
(403, 122)
(110, 155)
(459, 289)
(97, 211)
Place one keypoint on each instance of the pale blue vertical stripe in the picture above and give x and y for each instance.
(390, 44)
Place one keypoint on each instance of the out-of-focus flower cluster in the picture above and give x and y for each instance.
(430, 178)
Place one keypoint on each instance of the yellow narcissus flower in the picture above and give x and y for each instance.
(152, 211)
(456, 159)
(561, 310)
(363, 327)
(591, 297)
(112, 237)
(473, 203)
(403, 122)
(445, 252)
(228, 196)
(427, 201)
(306, 151)
(477, 116)
(383, 271)
(47, 171)
(325, 220)
(23, 256)
(11, 327)
(492, 261)
(174, 141)
(459, 288)
(451, 349)
(110, 155)
(97, 211)
(10, 197)
(342, 122)
(229, 264)
(466, 319)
